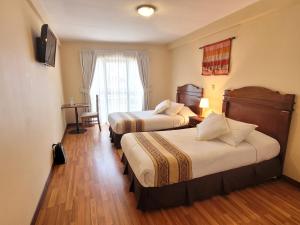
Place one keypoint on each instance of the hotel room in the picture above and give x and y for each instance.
(149, 112)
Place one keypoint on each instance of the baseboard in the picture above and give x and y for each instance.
(42, 198)
(291, 181)
(46, 186)
(65, 133)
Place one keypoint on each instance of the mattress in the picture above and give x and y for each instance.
(208, 157)
(148, 120)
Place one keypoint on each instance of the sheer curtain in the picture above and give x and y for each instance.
(117, 81)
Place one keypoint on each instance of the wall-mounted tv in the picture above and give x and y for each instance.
(46, 46)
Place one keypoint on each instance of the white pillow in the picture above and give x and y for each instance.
(239, 131)
(186, 112)
(212, 127)
(174, 109)
(161, 107)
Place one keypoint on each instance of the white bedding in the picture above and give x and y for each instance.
(152, 121)
(208, 157)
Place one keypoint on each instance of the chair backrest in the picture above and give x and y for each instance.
(97, 103)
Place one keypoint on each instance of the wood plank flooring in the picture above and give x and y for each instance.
(91, 189)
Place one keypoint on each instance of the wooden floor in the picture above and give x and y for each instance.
(91, 189)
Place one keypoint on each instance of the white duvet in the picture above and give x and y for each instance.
(152, 121)
(208, 157)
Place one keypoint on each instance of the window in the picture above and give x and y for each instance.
(118, 84)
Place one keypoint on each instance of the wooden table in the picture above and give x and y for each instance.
(78, 130)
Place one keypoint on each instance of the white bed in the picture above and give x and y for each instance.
(151, 121)
(121, 123)
(208, 157)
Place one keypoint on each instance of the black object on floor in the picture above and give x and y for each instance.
(59, 156)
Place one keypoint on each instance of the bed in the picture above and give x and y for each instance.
(218, 168)
(127, 122)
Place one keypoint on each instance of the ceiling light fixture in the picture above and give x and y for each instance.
(146, 10)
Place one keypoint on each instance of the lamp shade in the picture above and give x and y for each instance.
(204, 103)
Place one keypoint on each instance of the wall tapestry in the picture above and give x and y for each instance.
(216, 58)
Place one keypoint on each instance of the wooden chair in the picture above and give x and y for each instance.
(88, 116)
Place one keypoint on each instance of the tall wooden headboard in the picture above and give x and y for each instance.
(190, 95)
(268, 109)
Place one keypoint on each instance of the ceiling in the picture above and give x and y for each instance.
(117, 20)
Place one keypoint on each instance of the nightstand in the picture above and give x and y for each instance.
(194, 120)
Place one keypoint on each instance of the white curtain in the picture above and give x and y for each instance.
(118, 82)
(88, 63)
(143, 62)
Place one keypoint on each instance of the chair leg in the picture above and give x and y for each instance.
(99, 123)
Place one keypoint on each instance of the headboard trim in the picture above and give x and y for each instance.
(190, 95)
(268, 109)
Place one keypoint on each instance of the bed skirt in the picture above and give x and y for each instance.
(115, 138)
(185, 193)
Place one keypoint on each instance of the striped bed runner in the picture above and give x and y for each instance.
(171, 164)
(131, 123)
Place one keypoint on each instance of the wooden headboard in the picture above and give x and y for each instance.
(268, 109)
(190, 96)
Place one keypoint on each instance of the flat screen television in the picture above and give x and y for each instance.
(46, 46)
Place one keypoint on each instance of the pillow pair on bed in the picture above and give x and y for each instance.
(168, 107)
(230, 131)
(161, 107)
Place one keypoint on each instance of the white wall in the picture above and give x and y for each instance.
(30, 116)
(266, 53)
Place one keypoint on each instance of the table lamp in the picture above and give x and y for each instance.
(204, 104)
